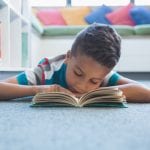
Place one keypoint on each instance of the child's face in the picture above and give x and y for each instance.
(84, 73)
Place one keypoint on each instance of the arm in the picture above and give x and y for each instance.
(134, 91)
(10, 91)
(29, 83)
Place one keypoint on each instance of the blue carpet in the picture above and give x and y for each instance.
(25, 128)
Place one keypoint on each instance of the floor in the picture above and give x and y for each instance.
(23, 127)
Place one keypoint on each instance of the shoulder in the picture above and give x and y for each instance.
(47, 67)
(46, 63)
(43, 71)
(111, 79)
(114, 78)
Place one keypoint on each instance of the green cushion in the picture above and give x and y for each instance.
(124, 30)
(62, 30)
(73, 30)
(142, 29)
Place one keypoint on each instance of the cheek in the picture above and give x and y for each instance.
(92, 87)
(70, 78)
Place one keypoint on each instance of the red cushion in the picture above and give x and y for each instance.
(50, 17)
(121, 16)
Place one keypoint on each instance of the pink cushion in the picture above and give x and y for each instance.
(121, 16)
(50, 17)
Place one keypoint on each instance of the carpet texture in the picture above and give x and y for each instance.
(25, 128)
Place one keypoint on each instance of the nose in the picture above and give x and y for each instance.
(82, 87)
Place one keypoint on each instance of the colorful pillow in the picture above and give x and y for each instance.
(75, 15)
(121, 16)
(50, 17)
(98, 15)
(140, 15)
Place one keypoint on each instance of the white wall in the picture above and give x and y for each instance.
(46, 47)
(135, 51)
(135, 55)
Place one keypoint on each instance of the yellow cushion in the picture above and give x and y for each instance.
(75, 15)
(34, 10)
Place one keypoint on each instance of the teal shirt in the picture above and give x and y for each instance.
(50, 72)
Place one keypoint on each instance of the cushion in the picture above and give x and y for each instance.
(75, 15)
(121, 16)
(142, 29)
(62, 30)
(140, 15)
(124, 30)
(98, 15)
(35, 10)
(50, 17)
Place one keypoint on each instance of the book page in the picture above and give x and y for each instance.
(99, 97)
(104, 99)
(105, 95)
(105, 91)
(53, 97)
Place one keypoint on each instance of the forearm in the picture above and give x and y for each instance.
(9, 91)
(135, 92)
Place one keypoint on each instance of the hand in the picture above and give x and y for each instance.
(51, 88)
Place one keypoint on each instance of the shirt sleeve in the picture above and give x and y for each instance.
(35, 76)
(111, 79)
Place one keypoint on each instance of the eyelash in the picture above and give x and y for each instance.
(94, 82)
(77, 74)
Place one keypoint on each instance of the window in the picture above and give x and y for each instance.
(47, 3)
(99, 2)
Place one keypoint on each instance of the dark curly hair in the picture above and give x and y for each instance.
(101, 42)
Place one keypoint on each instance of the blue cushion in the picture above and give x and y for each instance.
(140, 15)
(98, 15)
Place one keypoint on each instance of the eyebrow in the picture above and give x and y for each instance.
(84, 73)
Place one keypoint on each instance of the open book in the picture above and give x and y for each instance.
(103, 97)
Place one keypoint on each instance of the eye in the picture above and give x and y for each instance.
(77, 73)
(94, 82)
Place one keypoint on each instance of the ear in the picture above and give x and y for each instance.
(68, 56)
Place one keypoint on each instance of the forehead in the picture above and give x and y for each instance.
(89, 66)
